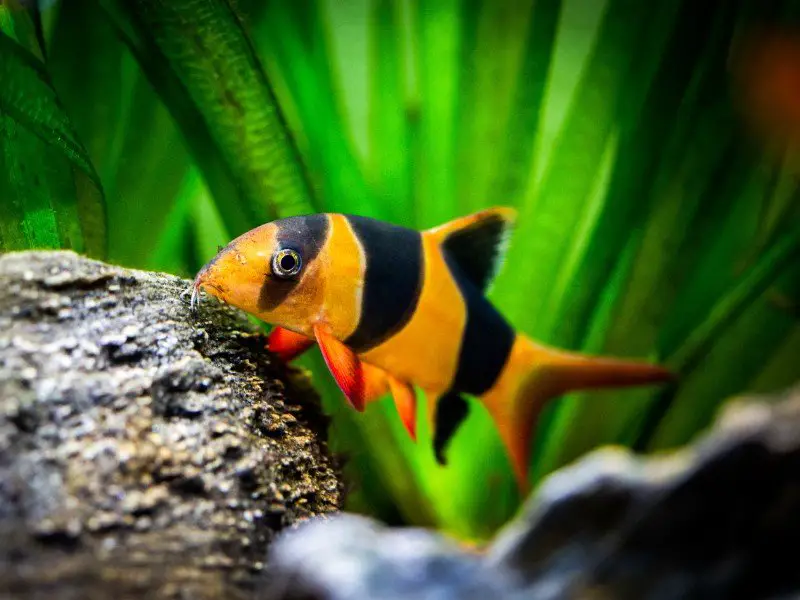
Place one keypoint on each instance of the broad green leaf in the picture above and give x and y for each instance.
(551, 213)
(196, 54)
(346, 26)
(743, 332)
(515, 168)
(92, 72)
(293, 39)
(54, 195)
(209, 229)
(390, 136)
(662, 178)
(176, 250)
(492, 41)
(153, 165)
(129, 134)
(18, 23)
(32, 173)
(437, 28)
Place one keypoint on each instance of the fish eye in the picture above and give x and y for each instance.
(286, 263)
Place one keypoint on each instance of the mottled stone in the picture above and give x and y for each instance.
(137, 440)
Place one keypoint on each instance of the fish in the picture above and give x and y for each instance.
(395, 310)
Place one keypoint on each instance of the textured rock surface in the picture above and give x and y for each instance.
(720, 519)
(141, 445)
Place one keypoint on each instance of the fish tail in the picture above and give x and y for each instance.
(535, 374)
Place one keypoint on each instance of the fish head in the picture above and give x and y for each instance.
(272, 272)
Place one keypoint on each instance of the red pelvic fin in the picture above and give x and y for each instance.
(406, 402)
(287, 344)
(361, 383)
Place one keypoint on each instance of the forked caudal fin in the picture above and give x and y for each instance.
(536, 374)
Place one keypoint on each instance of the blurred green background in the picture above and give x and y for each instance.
(653, 222)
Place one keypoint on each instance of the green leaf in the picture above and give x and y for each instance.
(780, 371)
(437, 28)
(390, 136)
(198, 58)
(152, 167)
(657, 189)
(293, 39)
(18, 23)
(54, 196)
(557, 232)
(492, 43)
(553, 212)
(176, 250)
(128, 132)
(516, 166)
(664, 85)
(734, 336)
(92, 72)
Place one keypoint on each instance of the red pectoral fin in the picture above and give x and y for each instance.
(406, 401)
(359, 384)
(287, 344)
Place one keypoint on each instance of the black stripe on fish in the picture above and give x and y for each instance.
(392, 281)
(486, 341)
(304, 234)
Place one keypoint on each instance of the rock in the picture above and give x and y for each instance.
(144, 450)
(719, 519)
(351, 556)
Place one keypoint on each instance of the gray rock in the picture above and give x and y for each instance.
(353, 557)
(719, 519)
(144, 450)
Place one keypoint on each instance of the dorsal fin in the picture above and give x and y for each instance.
(477, 242)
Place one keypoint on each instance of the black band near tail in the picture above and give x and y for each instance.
(451, 411)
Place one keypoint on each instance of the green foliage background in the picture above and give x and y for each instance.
(652, 224)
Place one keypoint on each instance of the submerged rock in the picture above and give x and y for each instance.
(349, 556)
(720, 519)
(144, 451)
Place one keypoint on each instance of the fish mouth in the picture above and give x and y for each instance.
(200, 282)
(194, 301)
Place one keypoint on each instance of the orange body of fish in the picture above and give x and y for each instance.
(394, 309)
